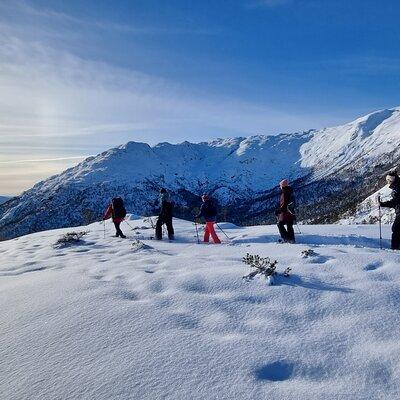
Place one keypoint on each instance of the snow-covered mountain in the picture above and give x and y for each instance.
(3, 199)
(333, 169)
(367, 212)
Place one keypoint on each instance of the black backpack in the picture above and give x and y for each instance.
(119, 210)
(212, 209)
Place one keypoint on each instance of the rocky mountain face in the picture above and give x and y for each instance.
(332, 170)
(3, 199)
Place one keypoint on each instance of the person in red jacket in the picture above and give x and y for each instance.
(285, 213)
(117, 211)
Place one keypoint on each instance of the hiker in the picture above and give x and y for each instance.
(165, 216)
(117, 211)
(209, 212)
(285, 213)
(393, 180)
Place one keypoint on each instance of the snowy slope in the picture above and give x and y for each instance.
(176, 321)
(367, 211)
(367, 138)
(238, 172)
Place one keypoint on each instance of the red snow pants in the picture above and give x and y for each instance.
(209, 229)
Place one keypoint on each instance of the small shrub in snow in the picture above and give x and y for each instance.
(138, 228)
(308, 253)
(263, 266)
(138, 245)
(70, 238)
(149, 220)
(286, 272)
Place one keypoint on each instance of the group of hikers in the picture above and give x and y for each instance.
(208, 211)
(285, 213)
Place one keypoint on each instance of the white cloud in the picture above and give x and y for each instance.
(51, 95)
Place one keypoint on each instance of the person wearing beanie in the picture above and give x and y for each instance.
(209, 212)
(165, 216)
(285, 213)
(393, 181)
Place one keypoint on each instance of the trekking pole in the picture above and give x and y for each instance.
(380, 226)
(197, 232)
(129, 224)
(223, 231)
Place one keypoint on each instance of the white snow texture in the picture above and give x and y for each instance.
(175, 320)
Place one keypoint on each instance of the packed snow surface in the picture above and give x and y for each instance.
(124, 319)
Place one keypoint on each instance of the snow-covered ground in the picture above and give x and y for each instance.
(105, 320)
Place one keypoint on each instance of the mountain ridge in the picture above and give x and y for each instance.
(241, 173)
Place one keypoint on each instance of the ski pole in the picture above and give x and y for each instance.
(104, 228)
(197, 232)
(129, 224)
(223, 231)
(380, 226)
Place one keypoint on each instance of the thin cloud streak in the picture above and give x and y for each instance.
(42, 160)
(23, 8)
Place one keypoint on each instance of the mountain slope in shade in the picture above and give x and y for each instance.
(3, 199)
(332, 170)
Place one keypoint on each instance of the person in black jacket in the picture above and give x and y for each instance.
(285, 213)
(393, 180)
(165, 216)
(209, 212)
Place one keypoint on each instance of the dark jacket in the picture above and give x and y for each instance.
(166, 206)
(208, 211)
(395, 200)
(285, 212)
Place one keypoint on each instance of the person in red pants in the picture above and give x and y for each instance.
(117, 212)
(209, 212)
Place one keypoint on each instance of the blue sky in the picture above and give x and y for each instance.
(78, 77)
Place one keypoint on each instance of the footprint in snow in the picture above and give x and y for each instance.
(373, 266)
(183, 321)
(127, 295)
(156, 287)
(195, 286)
(275, 372)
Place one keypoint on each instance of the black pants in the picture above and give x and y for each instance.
(160, 222)
(286, 234)
(118, 229)
(396, 233)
